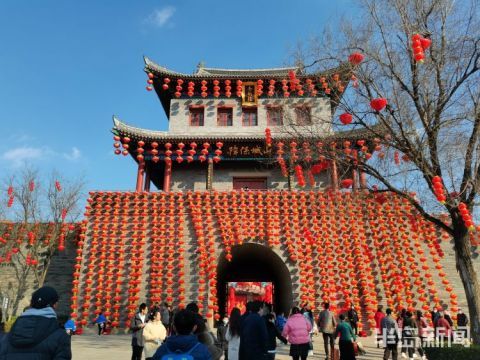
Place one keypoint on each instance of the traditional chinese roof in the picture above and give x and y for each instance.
(122, 129)
(203, 72)
(329, 83)
(135, 133)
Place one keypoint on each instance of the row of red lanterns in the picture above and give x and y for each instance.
(293, 84)
(288, 86)
(300, 221)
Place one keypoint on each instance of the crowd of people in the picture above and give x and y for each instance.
(411, 332)
(161, 334)
(252, 335)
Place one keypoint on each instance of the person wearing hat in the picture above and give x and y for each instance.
(36, 333)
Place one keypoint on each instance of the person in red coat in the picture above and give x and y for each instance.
(379, 315)
(443, 328)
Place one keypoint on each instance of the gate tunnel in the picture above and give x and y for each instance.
(257, 263)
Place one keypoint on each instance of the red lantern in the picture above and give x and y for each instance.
(346, 118)
(355, 58)
(378, 104)
(346, 183)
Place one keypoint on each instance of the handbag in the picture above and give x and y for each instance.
(355, 348)
(336, 354)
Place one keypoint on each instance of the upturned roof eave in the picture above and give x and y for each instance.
(271, 73)
(123, 129)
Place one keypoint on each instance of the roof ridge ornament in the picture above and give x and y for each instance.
(200, 67)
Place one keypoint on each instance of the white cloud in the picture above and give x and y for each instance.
(160, 17)
(75, 154)
(24, 154)
(20, 155)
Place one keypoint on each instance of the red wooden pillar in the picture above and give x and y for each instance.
(334, 176)
(167, 178)
(363, 180)
(140, 174)
(147, 182)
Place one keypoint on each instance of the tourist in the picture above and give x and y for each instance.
(165, 315)
(200, 322)
(221, 336)
(253, 334)
(447, 317)
(346, 340)
(183, 341)
(233, 335)
(462, 319)
(101, 322)
(203, 333)
(353, 318)
(36, 333)
(248, 310)
(138, 324)
(462, 322)
(400, 321)
(390, 335)
(327, 325)
(443, 330)
(273, 335)
(307, 312)
(154, 333)
(280, 321)
(153, 310)
(409, 334)
(422, 327)
(70, 327)
(379, 315)
(434, 315)
(297, 332)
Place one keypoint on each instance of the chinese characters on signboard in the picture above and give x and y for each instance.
(247, 151)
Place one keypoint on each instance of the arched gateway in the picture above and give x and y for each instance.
(255, 263)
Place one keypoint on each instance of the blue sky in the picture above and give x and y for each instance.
(67, 66)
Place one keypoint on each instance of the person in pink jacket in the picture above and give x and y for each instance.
(297, 331)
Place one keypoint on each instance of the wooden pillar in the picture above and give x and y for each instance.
(363, 180)
(147, 182)
(290, 179)
(355, 179)
(209, 185)
(167, 178)
(334, 176)
(140, 175)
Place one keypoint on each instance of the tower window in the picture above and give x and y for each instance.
(225, 116)
(197, 116)
(303, 115)
(249, 117)
(274, 116)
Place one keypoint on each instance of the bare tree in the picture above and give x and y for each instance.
(430, 127)
(38, 221)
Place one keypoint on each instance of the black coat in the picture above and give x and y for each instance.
(273, 334)
(36, 338)
(253, 338)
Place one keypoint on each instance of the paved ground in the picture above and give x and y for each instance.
(92, 347)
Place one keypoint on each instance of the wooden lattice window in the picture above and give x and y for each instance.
(303, 115)
(225, 116)
(274, 116)
(197, 115)
(249, 117)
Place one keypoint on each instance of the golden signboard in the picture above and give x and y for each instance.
(249, 94)
(247, 151)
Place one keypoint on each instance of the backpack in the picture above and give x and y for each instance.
(177, 355)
